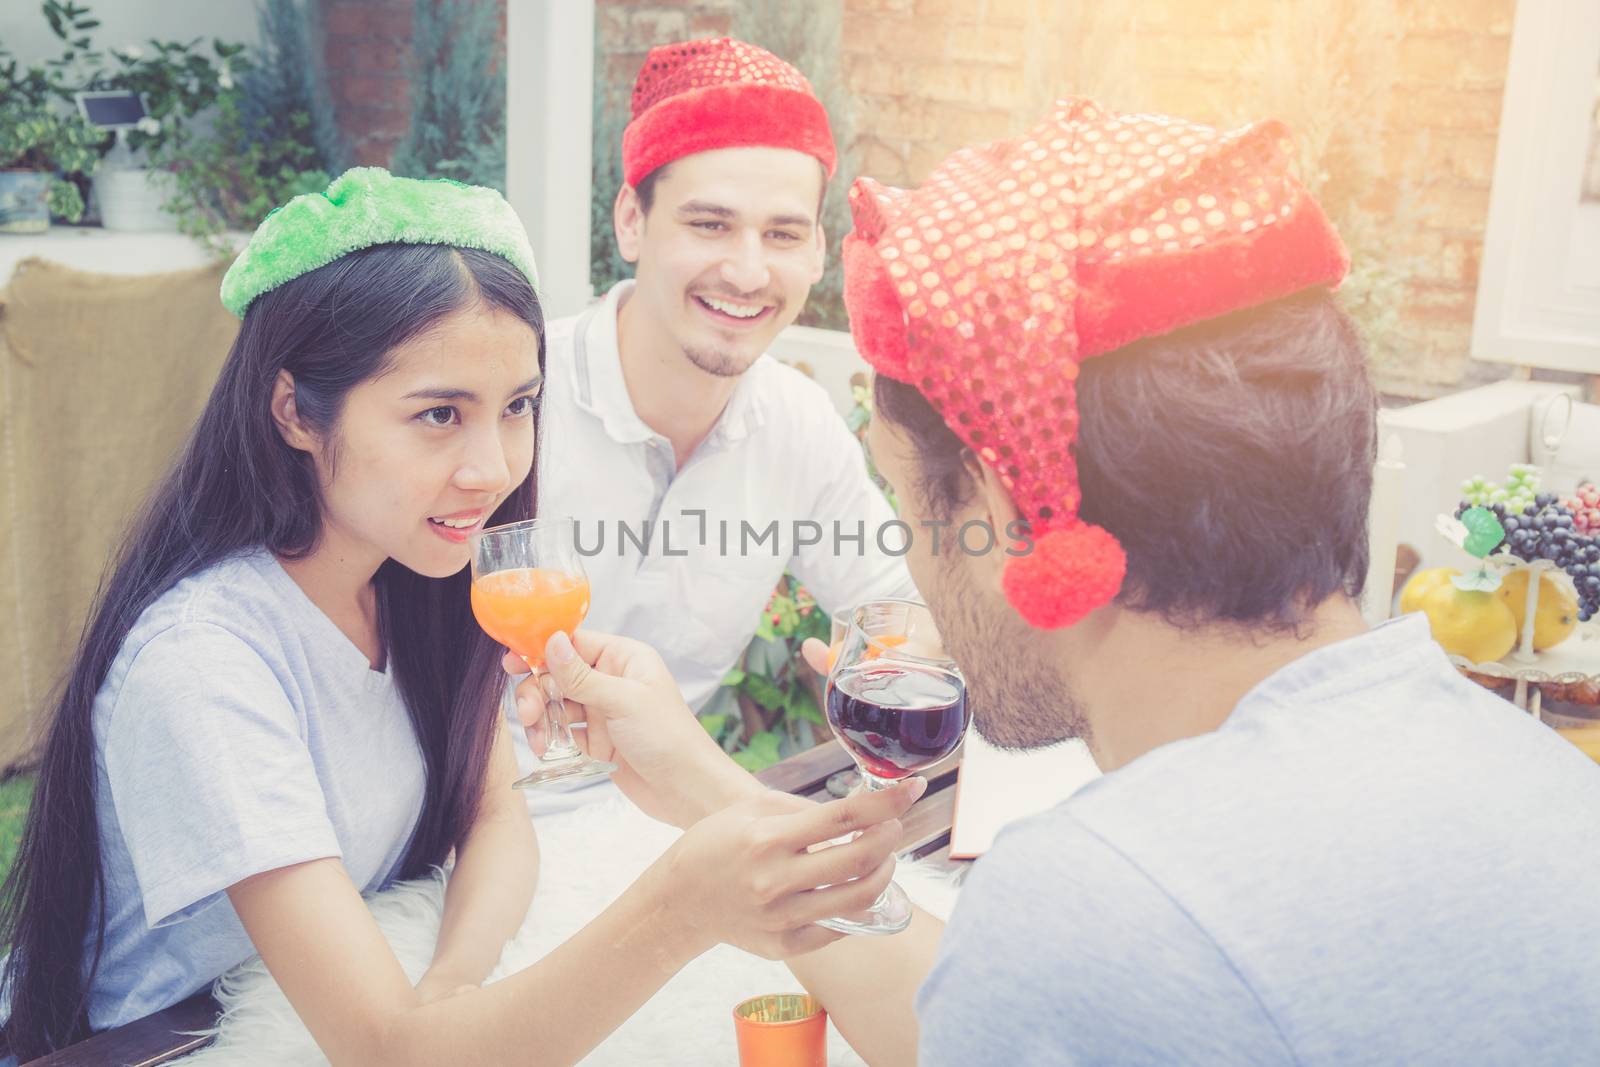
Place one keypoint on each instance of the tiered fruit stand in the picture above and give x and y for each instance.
(1567, 670)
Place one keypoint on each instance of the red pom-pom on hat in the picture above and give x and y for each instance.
(1070, 572)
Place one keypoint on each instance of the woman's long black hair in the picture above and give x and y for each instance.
(238, 485)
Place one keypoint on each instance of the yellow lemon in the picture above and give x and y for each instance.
(1555, 616)
(1468, 623)
(1421, 584)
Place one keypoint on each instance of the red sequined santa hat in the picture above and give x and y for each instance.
(695, 96)
(989, 284)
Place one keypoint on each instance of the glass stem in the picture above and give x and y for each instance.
(874, 783)
(560, 745)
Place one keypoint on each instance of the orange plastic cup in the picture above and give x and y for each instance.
(781, 1030)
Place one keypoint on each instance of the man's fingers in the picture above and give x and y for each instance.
(842, 900)
(833, 864)
(839, 817)
(536, 723)
(815, 653)
(622, 657)
(595, 737)
(574, 677)
(592, 644)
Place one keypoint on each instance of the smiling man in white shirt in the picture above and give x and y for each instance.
(698, 467)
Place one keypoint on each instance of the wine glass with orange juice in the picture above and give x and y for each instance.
(528, 583)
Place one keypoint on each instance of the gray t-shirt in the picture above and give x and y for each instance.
(238, 731)
(1372, 861)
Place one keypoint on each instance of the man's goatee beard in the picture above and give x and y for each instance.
(714, 362)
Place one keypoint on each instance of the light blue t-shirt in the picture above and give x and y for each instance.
(238, 731)
(1372, 861)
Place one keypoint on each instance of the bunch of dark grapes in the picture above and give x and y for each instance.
(1546, 529)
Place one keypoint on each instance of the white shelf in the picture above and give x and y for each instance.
(90, 248)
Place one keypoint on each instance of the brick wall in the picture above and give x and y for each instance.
(627, 30)
(366, 49)
(929, 75)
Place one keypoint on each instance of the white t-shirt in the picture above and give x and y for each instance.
(238, 731)
(779, 458)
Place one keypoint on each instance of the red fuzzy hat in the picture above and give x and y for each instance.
(695, 96)
(986, 287)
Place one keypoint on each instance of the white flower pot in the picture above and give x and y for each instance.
(131, 199)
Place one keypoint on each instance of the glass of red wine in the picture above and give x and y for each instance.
(845, 783)
(898, 705)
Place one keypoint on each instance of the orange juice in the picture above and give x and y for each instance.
(521, 608)
(876, 646)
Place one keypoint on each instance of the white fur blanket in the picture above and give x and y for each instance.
(589, 855)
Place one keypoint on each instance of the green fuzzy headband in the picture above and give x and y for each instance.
(368, 206)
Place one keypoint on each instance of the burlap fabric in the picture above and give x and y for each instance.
(101, 379)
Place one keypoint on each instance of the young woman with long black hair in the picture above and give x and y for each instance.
(282, 700)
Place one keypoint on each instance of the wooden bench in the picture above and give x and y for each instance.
(167, 1035)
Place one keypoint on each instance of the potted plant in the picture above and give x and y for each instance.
(177, 82)
(38, 144)
(42, 143)
(271, 137)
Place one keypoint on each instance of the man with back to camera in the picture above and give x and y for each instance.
(1314, 842)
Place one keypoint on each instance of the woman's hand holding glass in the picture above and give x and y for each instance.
(749, 876)
(747, 870)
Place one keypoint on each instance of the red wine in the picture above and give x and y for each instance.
(898, 718)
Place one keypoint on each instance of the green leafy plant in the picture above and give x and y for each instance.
(58, 78)
(264, 131)
(40, 137)
(286, 91)
(233, 177)
(178, 82)
(458, 95)
(775, 710)
(38, 129)
(610, 118)
(269, 138)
